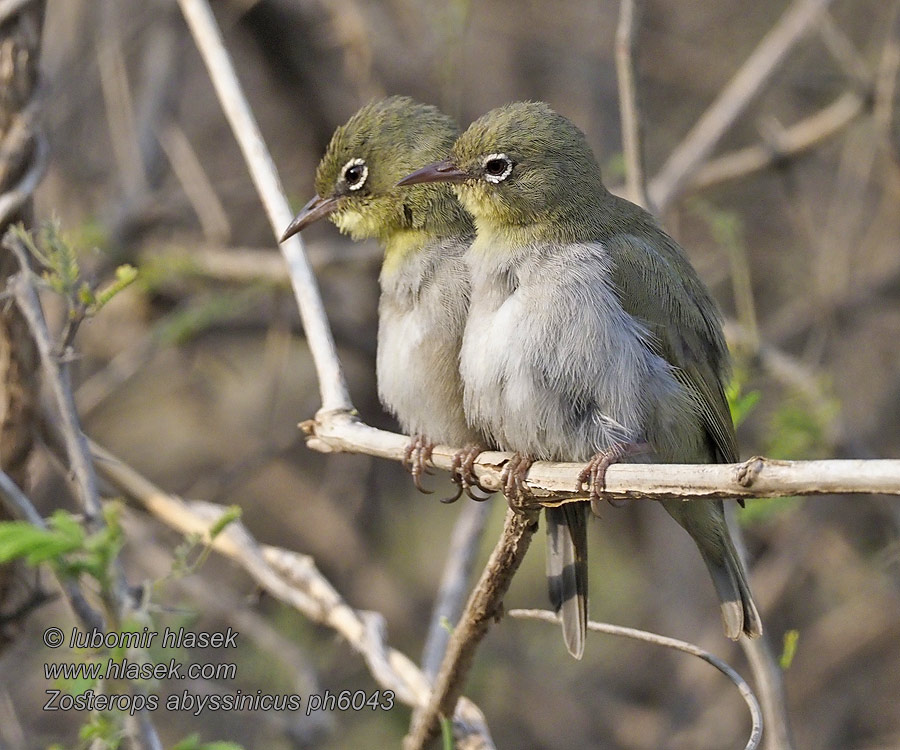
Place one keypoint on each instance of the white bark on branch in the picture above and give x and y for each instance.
(293, 579)
(756, 716)
(699, 143)
(632, 124)
(206, 33)
(552, 483)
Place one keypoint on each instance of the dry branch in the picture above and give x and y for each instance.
(790, 141)
(552, 483)
(756, 716)
(632, 123)
(699, 143)
(293, 579)
(484, 605)
(206, 33)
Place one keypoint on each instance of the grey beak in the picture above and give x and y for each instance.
(442, 171)
(312, 211)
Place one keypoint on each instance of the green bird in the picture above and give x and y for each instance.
(601, 338)
(424, 281)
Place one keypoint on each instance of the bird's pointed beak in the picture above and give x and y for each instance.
(442, 171)
(312, 211)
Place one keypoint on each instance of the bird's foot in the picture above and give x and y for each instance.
(595, 471)
(416, 458)
(512, 479)
(462, 473)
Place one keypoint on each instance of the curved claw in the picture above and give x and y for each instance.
(513, 481)
(454, 498)
(595, 471)
(417, 453)
(462, 473)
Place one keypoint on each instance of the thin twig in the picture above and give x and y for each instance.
(119, 104)
(792, 140)
(552, 483)
(208, 38)
(464, 543)
(632, 124)
(19, 506)
(57, 377)
(194, 181)
(291, 578)
(844, 51)
(699, 143)
(12, 200)
(484, 606)
(756, 730)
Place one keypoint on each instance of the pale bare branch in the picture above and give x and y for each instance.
(293, 579)
(208, 38)
(756, 717)
(629, 104)
(744, 86)
(484, 606)
(552, 483)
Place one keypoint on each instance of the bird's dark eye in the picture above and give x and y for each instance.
(355, 172)
(497, 167)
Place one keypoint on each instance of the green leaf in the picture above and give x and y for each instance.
(446, 733)
(789, 650)
(231, 514)
(125, 276)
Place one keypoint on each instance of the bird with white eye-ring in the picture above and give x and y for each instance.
(424, 283)
(355, 173)
(497, 167)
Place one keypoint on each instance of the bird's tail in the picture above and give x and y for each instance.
(704, 520)
(567, 575)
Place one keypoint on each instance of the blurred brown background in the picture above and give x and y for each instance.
(199, 379)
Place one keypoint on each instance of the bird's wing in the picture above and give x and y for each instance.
(659, 287)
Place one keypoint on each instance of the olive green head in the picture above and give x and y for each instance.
(356, 181)
(523, 165)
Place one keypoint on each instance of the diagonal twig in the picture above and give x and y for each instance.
(464, 543)
(791, 141)
(208, 38)
(746, 84)
(484, 605)
(292, 578)
(756, 717)
(632, 124)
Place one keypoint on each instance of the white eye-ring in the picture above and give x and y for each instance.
(497, 167)
(354, 173)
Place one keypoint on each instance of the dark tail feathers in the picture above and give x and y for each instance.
(567, 575)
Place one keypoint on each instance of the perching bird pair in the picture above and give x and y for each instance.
(525, 308)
